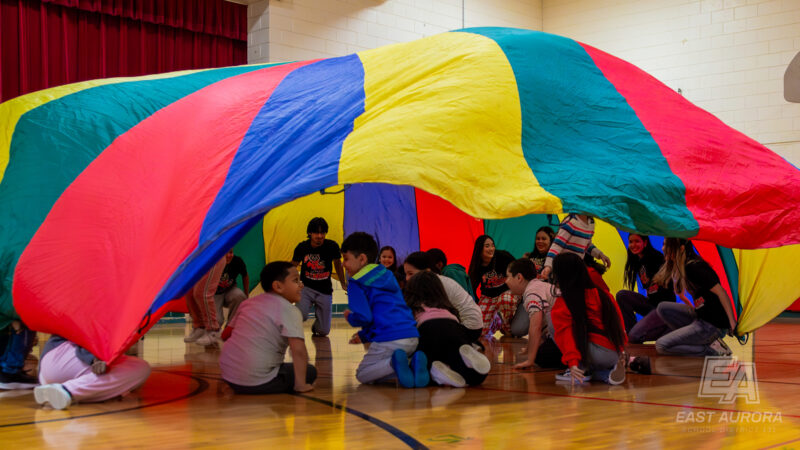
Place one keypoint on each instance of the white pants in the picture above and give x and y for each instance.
(60, 365)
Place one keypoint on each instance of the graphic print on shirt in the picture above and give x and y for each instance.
(492, 279)
(315, 267)
(225, 282)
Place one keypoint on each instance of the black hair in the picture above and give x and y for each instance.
(317, 225)
(591, 262)
(274, 271)
(393, 267)
(633, 264)
(420, 260)
(572, 278)
(425, 288)
(436, 255)
(535, 252)
(524, 266)
(360, 243)
(476, 262)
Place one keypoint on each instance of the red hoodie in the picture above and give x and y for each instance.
(562, 324)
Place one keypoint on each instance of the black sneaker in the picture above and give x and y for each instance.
(640, 364)
(17, 380)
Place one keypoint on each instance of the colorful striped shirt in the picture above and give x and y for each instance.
(574, 236)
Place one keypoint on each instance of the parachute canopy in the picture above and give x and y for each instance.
(117, 194)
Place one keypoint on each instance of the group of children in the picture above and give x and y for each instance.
(429, 330)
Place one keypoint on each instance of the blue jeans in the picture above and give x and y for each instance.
(690, 336)
(15, 347)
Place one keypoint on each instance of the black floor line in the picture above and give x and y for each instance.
(394, 431)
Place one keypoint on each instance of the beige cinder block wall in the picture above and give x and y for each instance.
(287, 30)
(726, 56)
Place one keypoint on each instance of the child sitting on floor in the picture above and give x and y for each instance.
(377, 306)
(445, 341)
(69, 373)
(257, 338)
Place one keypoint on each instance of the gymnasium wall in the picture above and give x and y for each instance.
(727, 56)
(283, 30)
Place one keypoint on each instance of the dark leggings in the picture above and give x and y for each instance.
(440, 340)
(549, 356)
(282, 383)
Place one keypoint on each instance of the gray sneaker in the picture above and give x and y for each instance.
(196, 334)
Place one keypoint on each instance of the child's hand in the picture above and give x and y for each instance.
(346, 313)
(356, 339)
(303, 388)
(606, 260)
(545, 274)
(99, 367)
(577, 375)
(524, 365)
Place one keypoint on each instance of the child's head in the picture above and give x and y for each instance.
(282, 278)
(358, 250)
(416, 262)
(316, 230)
(425, 288)
(518, 274)
(438, 259)
(387, 257)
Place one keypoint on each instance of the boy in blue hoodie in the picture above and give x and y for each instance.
(376, 304)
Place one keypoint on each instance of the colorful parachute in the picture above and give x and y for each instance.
(117, 194)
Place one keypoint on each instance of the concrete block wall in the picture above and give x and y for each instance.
(288, 30)
(726, 56)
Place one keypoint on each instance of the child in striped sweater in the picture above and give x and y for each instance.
(574, 236)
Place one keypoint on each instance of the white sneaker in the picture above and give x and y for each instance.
(54, 394)
(475, 359)
(445, 376)
(721, 348)
(210, 338)
(196, 334)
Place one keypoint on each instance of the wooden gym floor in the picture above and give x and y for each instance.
(185, 404)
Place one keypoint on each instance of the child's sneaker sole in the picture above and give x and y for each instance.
(617, 374)
(475, 359)
(446, 376)
(419, 365)
(400, 366)
(54, 394)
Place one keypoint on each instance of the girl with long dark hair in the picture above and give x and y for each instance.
(446, 342)
(643, 262)
(696, 331)
(587, 325)
(544, 238)
(487, 270)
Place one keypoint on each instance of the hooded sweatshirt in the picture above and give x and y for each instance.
(377, 306)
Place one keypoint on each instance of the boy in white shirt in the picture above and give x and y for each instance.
(257, 338)
(537, 297)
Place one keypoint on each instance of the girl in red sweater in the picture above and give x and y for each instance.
(587, 325)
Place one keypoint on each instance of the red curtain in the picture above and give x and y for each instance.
(48, 43)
